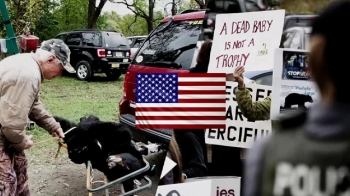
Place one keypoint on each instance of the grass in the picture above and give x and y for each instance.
(70, 98)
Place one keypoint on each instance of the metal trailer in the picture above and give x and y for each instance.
(150, 148)
(107, 185)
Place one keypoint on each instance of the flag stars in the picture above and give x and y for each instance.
(156, 88)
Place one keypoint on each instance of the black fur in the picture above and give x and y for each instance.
(297, 99)
(100, 142)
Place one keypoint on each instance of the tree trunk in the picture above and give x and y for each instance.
(150, 15)
(91, 11)
(94, 12)
(173, 8)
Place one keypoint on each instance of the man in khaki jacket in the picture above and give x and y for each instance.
(20, 78)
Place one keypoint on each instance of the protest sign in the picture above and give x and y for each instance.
(245, 39)
(240, 132)
(291, 84)
(202, 188)
(221, 185)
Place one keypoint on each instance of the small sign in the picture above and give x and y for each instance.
(220, 185)
(202, 188)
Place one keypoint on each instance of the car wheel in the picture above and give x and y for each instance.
(114, 74)
(84, 71)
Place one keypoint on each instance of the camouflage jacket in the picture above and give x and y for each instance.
(259, 110)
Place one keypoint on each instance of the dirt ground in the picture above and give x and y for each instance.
(60, 177)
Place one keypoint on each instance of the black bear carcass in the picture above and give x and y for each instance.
(297, 99)
(107, 145)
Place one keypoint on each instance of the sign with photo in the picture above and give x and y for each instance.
(292, 87)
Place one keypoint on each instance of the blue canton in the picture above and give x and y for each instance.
(156, 88)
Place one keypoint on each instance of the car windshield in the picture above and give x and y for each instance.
(113, 39)
(171, 43)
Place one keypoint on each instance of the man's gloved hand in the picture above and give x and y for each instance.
(58, 133)
(29, 142)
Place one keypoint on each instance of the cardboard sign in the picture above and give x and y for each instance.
(245, 39)
(221, 185)
(239, 131)
(202, 188)
(291, 84)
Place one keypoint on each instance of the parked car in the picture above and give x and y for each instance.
(97, 51)
(168, 48)
(298, 20)
(296, 38)
(227, 6)
(135, 43)
(263, 77)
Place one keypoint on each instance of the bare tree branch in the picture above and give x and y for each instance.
(157, 19)
(129, 27)
(139, 12)
(132, 7)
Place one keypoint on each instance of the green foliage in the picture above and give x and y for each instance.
(139, 27)
(188, 5)
(22, 11)
(50, 17)
(306, 6)
(72, 14)
(47, 24)
(110, 21)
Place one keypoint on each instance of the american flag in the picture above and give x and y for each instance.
(180, 100)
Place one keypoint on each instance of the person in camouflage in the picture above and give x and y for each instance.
(20, 78)
(259, 110)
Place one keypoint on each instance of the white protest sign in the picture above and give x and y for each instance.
(239, 131)
(202, 188)
(168, 165)
(221, 185)
(292, 87)
(246, 39)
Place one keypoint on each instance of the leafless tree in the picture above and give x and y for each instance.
(139, 12)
